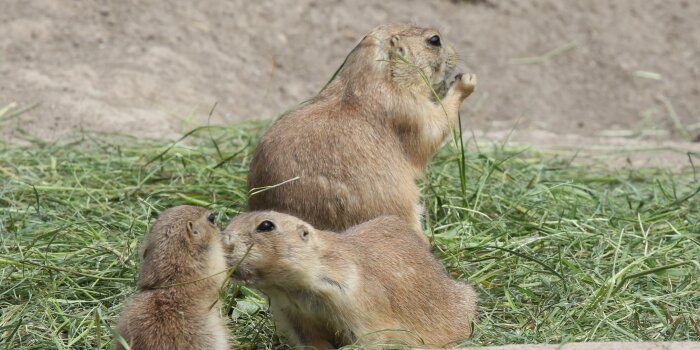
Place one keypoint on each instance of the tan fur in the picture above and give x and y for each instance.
(372, 284)
(167, 312)
(359, 146)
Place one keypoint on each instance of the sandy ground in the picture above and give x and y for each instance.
(560, 73)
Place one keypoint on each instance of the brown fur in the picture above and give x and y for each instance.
(359, 145)
(376, 282)
(167, 312)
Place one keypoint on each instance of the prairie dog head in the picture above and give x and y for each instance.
(282, 249)
(183, 244)
(406, 55)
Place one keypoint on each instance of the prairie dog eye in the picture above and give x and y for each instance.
(435, 41)
(266, 226)
(211, 218)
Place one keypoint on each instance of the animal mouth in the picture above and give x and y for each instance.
(244, 276)
(441, 87)
(440, 90)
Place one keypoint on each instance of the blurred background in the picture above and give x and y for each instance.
(551, 73)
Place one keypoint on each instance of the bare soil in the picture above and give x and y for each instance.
(559, 73)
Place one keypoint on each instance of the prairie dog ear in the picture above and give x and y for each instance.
(395, 41)
(190, 228)
(304, 232)
(396, 44)
(144, 252)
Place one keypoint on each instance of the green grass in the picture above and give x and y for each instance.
(558, 251)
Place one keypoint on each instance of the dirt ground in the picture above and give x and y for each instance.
(573, 74)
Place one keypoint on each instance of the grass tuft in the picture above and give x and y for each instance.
(558, 252)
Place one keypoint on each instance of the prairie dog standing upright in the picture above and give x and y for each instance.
(376, 282)
(360, 144)
(178, 285)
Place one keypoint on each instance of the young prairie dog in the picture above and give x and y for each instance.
(376, 283)
(359, 145)
(178, 285)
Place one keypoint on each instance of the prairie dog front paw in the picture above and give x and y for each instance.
(465, 83)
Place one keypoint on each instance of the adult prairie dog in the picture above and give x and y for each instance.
(376, 283)
(359, 145)
(178, 285)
